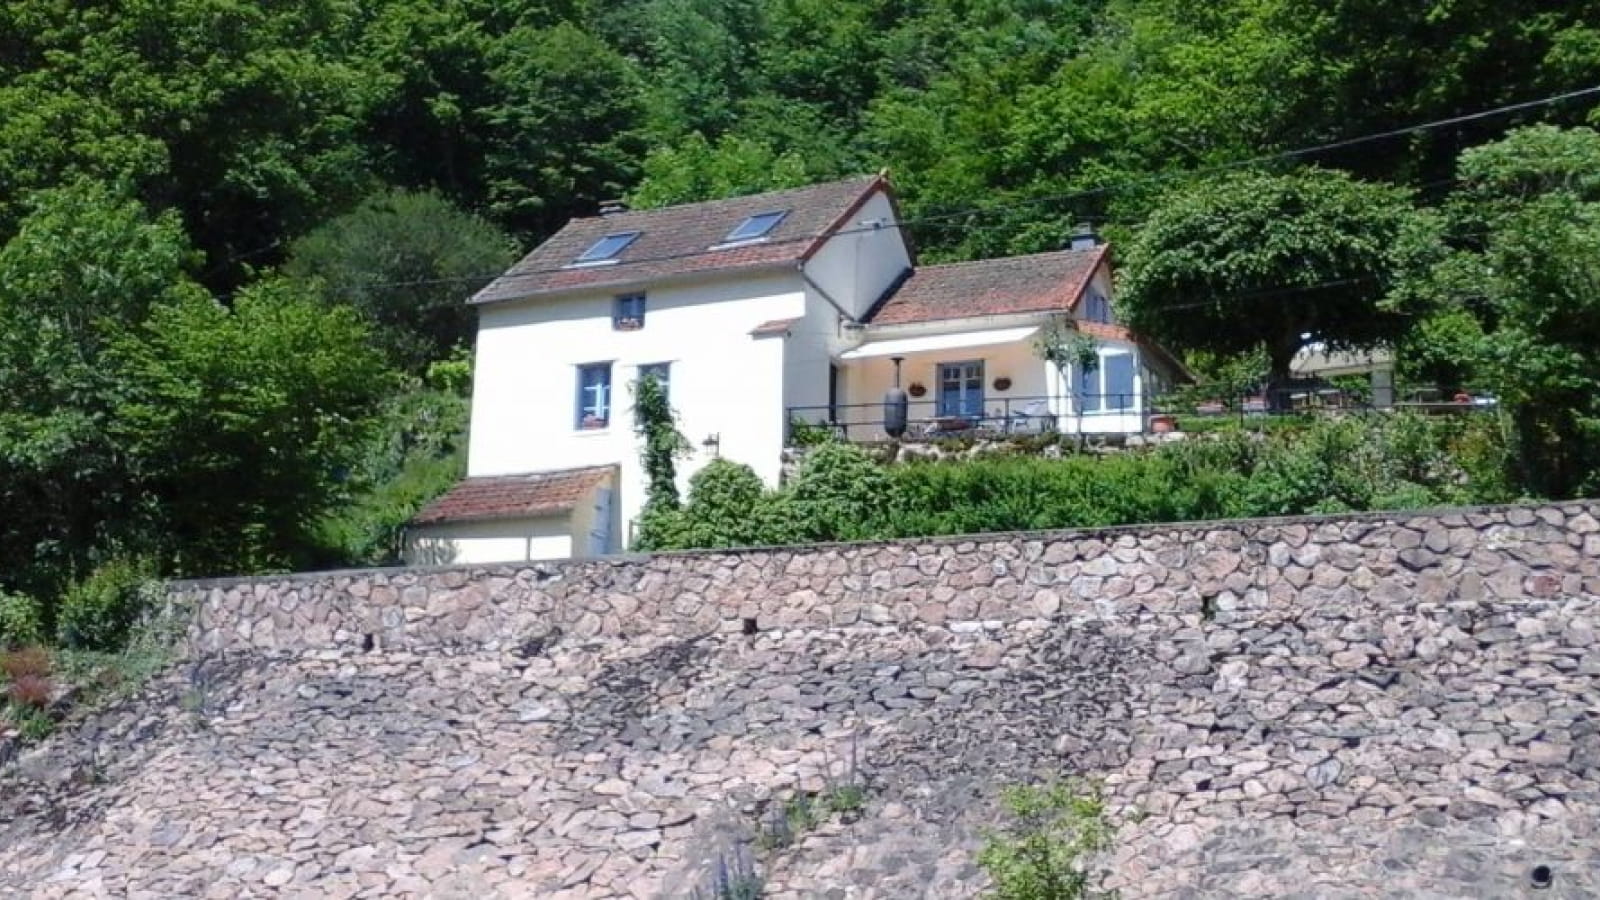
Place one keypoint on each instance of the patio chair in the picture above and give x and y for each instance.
(1034, 418)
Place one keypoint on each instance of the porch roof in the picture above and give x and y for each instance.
(905, 346)
(514, 496)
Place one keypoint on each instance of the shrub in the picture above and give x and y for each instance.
(98, 612)
(20, 622)
(1042, 853)
(723, 497)
(26, 662)
(30, 692)
(838, 491)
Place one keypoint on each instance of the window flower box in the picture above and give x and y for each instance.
(592, 423)
(628, 323)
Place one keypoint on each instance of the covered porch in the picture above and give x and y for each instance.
(979, 383)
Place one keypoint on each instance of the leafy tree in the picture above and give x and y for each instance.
(1246, 260)
(414, 451)
(1528, 261)
(696, 170)
(84, 269)
(244, 421)
(564, 126)
(408, 262)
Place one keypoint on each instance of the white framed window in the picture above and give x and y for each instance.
(1110, 386)
(661, 372)
(594, 396)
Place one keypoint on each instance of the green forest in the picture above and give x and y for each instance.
(236, 237)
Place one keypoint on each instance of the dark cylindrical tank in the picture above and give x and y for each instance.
(896, 408)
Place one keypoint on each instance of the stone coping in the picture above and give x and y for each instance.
(1057, 534)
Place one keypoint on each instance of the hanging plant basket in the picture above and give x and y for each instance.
(916, 389)
(1002, 383)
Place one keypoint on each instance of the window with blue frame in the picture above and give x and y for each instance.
(961, 389)
(627, 314)
(756, 226)
(661, 372)
(594, 396)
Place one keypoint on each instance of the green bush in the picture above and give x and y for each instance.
(1323, 465)
(837, 492)
(1043, 852)
(98, 612)
(20, 621)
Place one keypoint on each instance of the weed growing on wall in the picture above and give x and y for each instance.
(1043, 851)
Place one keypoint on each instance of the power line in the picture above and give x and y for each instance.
(1420, 128)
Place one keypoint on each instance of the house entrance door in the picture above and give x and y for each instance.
(961, 389)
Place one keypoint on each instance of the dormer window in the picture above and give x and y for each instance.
(607, 248)
(756, 227)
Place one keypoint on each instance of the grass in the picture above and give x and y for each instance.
(96, 677)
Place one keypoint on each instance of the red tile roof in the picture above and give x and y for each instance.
(990, 287)
(773, 328)
(678, 240)
(514, 496)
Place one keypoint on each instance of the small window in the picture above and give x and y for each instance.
(757, 226)
(661, 372)
(594, 396)
(628, 313)
(608, 247)
(1096, 308)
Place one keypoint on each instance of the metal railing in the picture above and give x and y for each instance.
(933, 419)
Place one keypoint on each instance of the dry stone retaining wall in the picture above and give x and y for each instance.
(1401, 706)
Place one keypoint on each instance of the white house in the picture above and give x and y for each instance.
(762, 314)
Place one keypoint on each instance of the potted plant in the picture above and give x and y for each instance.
(1002, 383)
(1163, 423)
(916, 389)
(592, 422)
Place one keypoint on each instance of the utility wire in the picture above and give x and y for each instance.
(1420, 128)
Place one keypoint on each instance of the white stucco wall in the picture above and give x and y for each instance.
(870, 378)
(1031, 378)
(856, 266)
(510, 540)
(723, 381)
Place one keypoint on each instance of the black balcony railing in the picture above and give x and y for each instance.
(933, 419)
(929, 419)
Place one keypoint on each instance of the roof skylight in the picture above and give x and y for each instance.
(757, 226)
(608, 247)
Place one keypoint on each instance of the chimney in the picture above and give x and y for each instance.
(1083, 237)
(612, 207)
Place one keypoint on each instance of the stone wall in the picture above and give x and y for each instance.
(1506, 554)
(1403, 706)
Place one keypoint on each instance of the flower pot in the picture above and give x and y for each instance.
(916, 389)
(1002, 383)
(1163, 424)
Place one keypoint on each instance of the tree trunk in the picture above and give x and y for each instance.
(1280, 355)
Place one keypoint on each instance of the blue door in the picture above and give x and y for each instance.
(961, 389)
